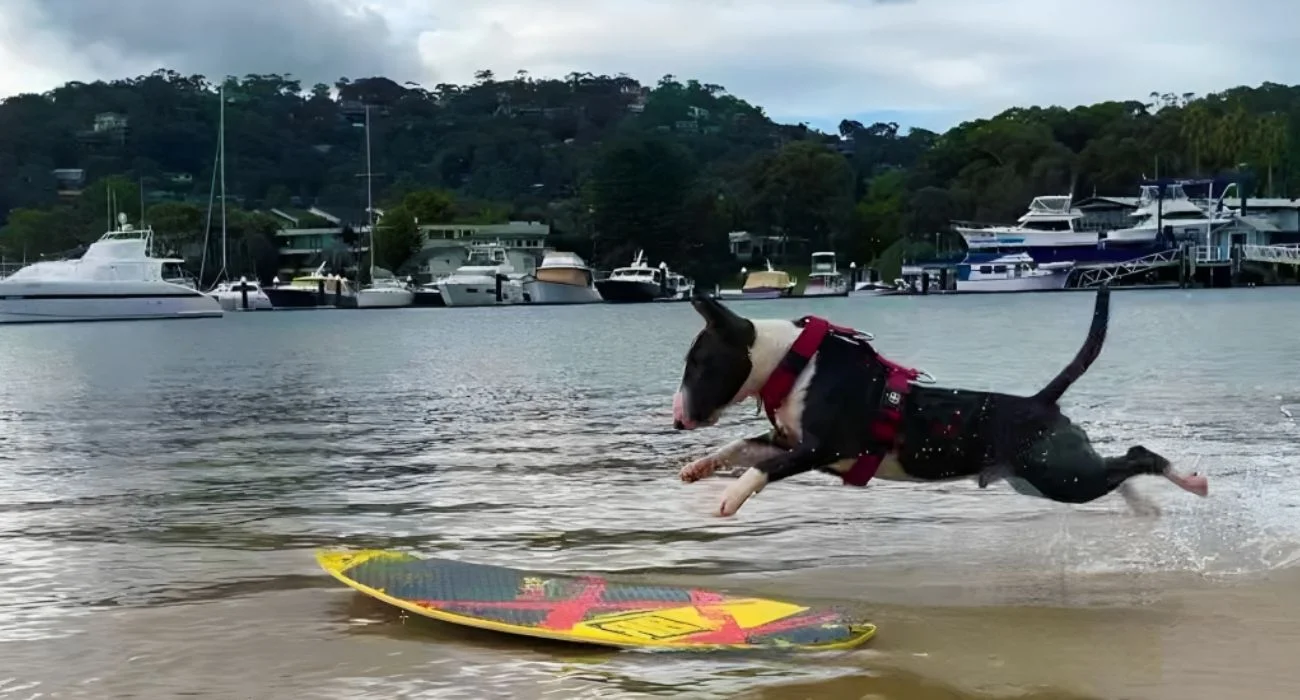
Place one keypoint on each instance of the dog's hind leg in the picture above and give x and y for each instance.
(1064, 467)
(737, 455)
(1140, 460)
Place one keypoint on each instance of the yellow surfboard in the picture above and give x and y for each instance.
(589, 609)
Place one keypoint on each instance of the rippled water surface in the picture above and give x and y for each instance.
(163, 486)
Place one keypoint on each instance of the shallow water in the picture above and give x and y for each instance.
(163, 486)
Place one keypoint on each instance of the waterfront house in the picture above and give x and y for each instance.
(311, 235)
(447, 245)
(748, 246)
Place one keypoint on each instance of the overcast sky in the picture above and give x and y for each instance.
(928, 63)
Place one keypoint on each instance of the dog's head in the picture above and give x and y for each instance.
(718, 365)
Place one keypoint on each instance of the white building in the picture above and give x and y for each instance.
(445, 245)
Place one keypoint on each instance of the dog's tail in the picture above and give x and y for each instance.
(1087, 354)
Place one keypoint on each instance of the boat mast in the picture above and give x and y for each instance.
(221, 163)
(370, 207)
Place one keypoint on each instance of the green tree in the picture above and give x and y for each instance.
(805, 191)
(878, 217)
(397, 239)
(177, 227)
(34, 233)
(637, 190)
(430, 206)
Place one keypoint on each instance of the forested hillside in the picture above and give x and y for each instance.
(669, 167)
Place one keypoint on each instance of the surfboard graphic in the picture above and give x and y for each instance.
(589, 609)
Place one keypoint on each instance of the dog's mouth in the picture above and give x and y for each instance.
(682, 419)
(688, 424)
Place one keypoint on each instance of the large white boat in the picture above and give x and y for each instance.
(115, 279)
(486, 279)
(1186, 219)
(562, 278)
(1051, 222)
(1012, 273)
(825, 278)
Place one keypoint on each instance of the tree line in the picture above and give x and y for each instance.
(611, 164)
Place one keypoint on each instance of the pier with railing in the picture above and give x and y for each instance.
(1215, 266)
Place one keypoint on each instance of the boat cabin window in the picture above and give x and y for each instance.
(1058, 225)
(634, 272)
(1000, 269)
(823, 261)
(986, 269)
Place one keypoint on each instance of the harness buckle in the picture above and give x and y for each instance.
(841, 331)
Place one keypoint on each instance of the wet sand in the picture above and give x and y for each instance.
(1145, 637)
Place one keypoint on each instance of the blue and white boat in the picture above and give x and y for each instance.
(1018, 272)
(1052, 231)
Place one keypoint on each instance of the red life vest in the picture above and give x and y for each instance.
(888, 419)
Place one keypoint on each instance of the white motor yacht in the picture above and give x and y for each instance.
(486, 279)
(562, 278)
(385, 293)
(825, 278)
(679, 287)
(115, 279)
(1187, 220)
(1012, 273)
(1051, 222)
(244, 295)
(639, 283)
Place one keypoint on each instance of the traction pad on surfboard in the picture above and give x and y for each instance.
(594, 609)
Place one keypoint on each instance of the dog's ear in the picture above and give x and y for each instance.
(717, 316)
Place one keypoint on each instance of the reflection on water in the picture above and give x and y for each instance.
(162, 487)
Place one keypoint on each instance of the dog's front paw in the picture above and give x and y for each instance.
(701, 468)
(749, 483)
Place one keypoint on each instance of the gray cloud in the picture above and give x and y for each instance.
(814, 59)
(315, 40)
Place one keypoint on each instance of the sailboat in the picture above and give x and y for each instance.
(387, 292)
(243, 295)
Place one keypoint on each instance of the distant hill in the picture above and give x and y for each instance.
(670, 167)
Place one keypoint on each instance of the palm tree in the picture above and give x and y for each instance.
(1231, 135)
(1269, 141)
(1197, 128)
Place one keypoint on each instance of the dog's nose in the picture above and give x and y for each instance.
(678, 425)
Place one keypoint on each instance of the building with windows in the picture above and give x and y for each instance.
(315, 235)
(446, 245)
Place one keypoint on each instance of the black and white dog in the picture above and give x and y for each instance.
(837, 406)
